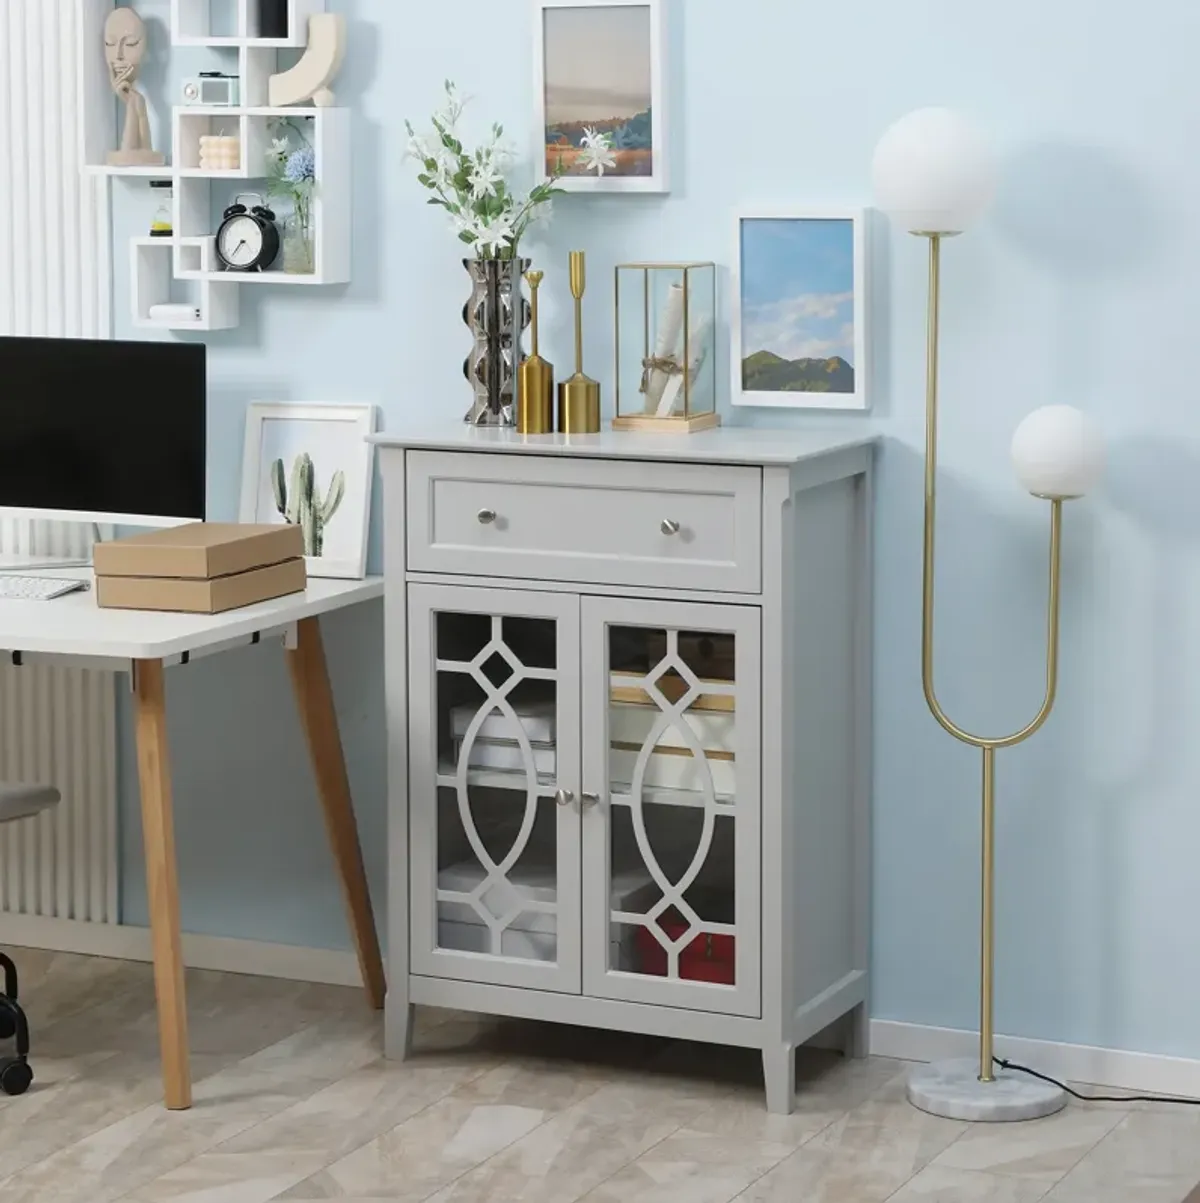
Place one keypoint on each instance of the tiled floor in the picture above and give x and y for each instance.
(293, 1102)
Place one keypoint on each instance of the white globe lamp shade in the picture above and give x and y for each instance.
(933, 172)
(1057, 452)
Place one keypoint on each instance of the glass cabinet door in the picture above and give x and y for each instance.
(494, 785)
(671, 774)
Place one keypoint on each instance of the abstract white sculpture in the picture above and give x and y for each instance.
(310, 78)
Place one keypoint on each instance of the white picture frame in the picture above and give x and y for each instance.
(793, 305)
(281, 432)
(548, 13)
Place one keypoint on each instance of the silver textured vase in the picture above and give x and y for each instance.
(497, 315)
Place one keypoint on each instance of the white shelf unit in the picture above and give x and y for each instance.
(193, 23)
(330, 135)
(151, 275)
(219, 24)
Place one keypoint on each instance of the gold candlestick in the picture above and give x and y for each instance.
(535, 403)
(578, 397)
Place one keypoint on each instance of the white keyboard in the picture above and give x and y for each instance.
(36, 588)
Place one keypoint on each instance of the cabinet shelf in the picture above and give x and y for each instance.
(515, 780)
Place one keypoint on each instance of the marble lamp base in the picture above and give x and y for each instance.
(952, 1089)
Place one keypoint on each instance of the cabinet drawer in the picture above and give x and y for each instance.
(613, 522)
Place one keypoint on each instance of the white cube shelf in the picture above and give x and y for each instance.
(235, 23)
(151, 277)
(190, 254)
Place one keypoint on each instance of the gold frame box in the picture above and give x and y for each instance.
(665, 337)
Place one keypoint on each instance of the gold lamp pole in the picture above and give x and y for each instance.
(934, 175)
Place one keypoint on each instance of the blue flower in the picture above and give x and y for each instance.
(301, 166)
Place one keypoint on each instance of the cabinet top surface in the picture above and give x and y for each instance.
(725, 445)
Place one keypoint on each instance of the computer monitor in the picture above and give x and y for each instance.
(102, 431)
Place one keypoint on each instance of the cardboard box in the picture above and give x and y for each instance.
(199, 551)
(199, 596)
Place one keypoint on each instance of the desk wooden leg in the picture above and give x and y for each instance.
(310, 683)
(162, 883)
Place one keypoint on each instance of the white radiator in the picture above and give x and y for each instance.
(56, 725)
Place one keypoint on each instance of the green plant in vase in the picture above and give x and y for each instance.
(303, 505)
(491, 219)
(292, 177)
(471, 186)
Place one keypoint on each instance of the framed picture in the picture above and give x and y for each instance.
(800, 310)
(600, 88)
(311, 466)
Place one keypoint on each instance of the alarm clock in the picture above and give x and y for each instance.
(247, 239)
(212, 88)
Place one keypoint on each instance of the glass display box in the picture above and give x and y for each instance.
(665, 317)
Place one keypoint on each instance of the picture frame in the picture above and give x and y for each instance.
(565, 31)
(281, 434)
(800, 309)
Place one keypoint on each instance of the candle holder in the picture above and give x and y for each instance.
(665, 315)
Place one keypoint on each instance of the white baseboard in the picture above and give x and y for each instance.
(1146, 1073)
(124, 943)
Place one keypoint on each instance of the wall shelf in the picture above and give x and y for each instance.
(189, 257)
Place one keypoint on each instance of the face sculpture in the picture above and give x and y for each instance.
(124, 43)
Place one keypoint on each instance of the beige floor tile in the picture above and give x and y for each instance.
(432, 1149)
(229, 1178)
(862, 1157)
(1043, 1150)
(692, 1167)
(127, 1153)
(1150, 1155)
(580, 1148)
(938, 1185)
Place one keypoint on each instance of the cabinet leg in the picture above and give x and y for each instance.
(857, 1039)
(779, 1074)
(398, 1028)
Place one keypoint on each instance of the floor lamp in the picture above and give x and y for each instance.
(933, 174)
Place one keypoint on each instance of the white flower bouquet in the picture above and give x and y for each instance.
(470, 184)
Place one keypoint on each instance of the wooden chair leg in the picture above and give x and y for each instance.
(310, 683)
(162, 883)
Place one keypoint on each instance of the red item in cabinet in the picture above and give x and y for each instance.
(708, 958)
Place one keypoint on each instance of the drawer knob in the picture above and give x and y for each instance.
(486, 517)
(669, 526)
(564, 797)
(587, 801)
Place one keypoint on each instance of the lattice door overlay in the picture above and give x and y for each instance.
(673, 791)
(489, 773)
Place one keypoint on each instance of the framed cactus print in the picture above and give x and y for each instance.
(311, 466)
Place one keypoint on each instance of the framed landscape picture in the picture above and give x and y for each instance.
(600, 93)
(800, 310)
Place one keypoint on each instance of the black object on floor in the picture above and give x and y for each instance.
(15, 1074)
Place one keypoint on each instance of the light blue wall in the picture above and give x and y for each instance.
(1079, 288)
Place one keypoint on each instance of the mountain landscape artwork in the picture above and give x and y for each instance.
(798, 306)
(598, 76)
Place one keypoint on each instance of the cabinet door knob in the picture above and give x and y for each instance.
(487, 517)
(564, 797)
(587, 801)
(669, 526)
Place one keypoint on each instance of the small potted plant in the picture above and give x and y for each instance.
(490, 218)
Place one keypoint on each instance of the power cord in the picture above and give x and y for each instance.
(1094, 1098)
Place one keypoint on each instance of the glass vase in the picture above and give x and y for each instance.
(496, 314)
(299, 258)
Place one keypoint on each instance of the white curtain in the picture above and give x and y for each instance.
(56, 724)
(54, 220)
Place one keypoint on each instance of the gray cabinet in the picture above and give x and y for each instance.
(628, 720)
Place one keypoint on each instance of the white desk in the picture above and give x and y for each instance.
(73, 630)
